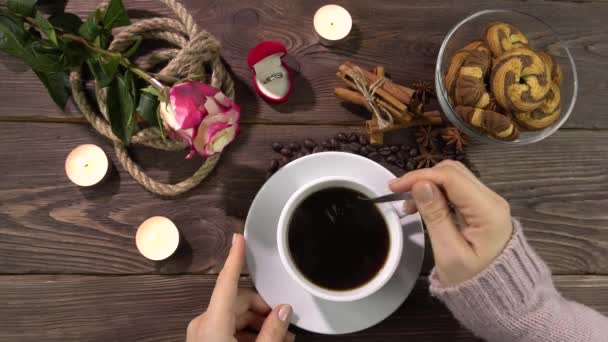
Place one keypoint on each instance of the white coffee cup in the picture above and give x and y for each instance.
(393, 225)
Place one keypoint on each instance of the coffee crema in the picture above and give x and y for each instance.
(338, 241)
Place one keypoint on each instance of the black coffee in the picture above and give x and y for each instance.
(336, 240)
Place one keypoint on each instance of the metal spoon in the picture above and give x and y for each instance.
(397, 196)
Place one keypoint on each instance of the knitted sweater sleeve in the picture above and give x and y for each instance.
(514, 300)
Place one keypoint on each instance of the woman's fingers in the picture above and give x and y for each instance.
(225, 292)
(249, 319)
(448, 243)
(462, 191)
(249, 300)
(275, 326)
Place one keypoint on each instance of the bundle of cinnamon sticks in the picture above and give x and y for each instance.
(398, 101)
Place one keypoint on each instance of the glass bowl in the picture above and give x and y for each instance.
(541, 37)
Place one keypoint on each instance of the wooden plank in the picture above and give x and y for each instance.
(47, 225)
(91, 308)
(403, 36)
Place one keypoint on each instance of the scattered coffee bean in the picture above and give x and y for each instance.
(317, 149)
(402, 155)
(310, 144)
(363, 151)
(385, 151)
(326, 144)
(286, 152)
(363, 140)
(373, 155)
(356, 146)
(400, 163)
(334, 144)
(341, 137)
(274, 165)
(405, 148)
(352, 137)
(294, 146)
(371, 148)
(277, 146)
(411, 165)
(285, 160)
(394, 148)
(391, 159)
(413, 152)
(298, 155)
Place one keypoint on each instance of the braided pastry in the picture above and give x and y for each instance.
(470, 89)
(495, 124)
(553, 66)
(520, 80)
(502, 37)
(456, 62)
(544, 115)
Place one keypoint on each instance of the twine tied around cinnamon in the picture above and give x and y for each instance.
(383, 117)
(196, 55)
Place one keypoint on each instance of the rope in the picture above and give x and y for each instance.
(384, 118)
(197, 52)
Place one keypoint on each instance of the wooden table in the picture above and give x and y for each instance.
(69, 267)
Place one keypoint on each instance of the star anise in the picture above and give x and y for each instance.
(426, 136)
(423, 90)
(453, 136)
(427, 158)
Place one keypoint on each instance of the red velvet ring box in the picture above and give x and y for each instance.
(272, 78)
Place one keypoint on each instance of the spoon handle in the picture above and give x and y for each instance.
(397, 196)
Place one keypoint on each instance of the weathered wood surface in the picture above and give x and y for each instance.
(158, 308)
(559, 188)
(404, 36)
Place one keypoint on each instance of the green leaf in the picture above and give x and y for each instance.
(151, 90)
(43, 57)
(47, 28)
(103, 40)
(67, 22)
(73, 54)
(90, 29)
(120, 103)
(115, 15)
(12, 36)
(57, 85)
(146, 107)
(133, 47)
(103, 70)
(25, 8)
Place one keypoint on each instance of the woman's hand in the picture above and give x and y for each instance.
(467, 241)
(231, 310)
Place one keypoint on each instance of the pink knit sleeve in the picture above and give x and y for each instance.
(514, 300)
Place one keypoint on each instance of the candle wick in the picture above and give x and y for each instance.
(86, 165)
(332, 24)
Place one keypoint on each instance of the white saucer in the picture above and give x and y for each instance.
(277, 287)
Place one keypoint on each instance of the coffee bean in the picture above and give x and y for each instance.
(363, 151)
(400, 163)
(411, 165)
(341, 137)
(277, 146)
(391, 159)
(326, 144)
(317, 149)
(298, 155)
(363, 140)
(352, 137)
(413, 152)
(373, 155)
(405, 148)
(286, 152)
(334, 144)
(274, 165)
(294, 146)
(310, 144)
(402, 155)
(385, 151)
(371, 148)
(356, 146)
(394, 148)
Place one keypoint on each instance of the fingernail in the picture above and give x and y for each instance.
(424, 193)
(285, 313)
(233, 238)
(290, 337)
(392, 181)
(405, 204)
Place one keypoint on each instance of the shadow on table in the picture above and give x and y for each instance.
(301, 99)
(109, 187)
(179, 262)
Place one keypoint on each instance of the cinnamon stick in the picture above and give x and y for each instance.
(404, 94)
(351, 96)
(426, 118)
(376, 136)
(379, 71)
(347, 77)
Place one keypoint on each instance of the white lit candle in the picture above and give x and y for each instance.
(87, 165)
(332, 23)
(157, 238)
